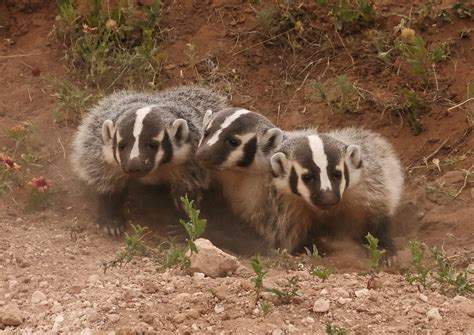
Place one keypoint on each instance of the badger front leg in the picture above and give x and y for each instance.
(110, 212)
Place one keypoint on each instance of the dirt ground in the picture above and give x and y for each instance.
(50, 260)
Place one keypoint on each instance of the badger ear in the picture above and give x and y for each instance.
(279, 164)
(108, 131)
(206, 119)
(270, 139)
(179, 130)
(354, 156)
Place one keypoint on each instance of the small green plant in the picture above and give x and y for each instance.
(335, 330)
(285, 295)
(463, 9)
(375, 253)
(134, 246)
(171, 254)
(421, 60)
(413, 104)
(19, 133)
(195, 226)
(72, 102)
(350, 12)
(8, 172)
(421, 272)
(257, 267)
(322, 272)
(338, 93)
(446, 274)
(265, 307)
(111, 46)
(277, 19)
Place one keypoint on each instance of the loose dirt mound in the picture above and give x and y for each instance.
(59, 252)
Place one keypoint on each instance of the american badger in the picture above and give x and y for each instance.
(350, 178)
(150, 138)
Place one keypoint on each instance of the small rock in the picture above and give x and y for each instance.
(321, 305)
(343, 301)
(37, 297)
(150, 287)
(149, 318)
(10, 315)
(434, 314)
(361, 293)
(219, 309)
(212, 261)
(460, 298)
(374, 283)
(59, 318)
(198, 275)
(292, 328)
(308, 320)
(179, 318)
(324, 292)
(113, 318)
(342, 293)
(423, 297)
(277, 332)
(467, 307)
(74, 289)
(93, 279)
(12, 284)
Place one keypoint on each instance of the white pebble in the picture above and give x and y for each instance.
(434, 314)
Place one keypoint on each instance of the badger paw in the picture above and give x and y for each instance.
(111, 226)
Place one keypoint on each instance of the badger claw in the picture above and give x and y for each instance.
(113, 227)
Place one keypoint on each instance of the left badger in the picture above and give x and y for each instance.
(147, 137)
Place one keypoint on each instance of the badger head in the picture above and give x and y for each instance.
(317, 168)
(139, 141)
(237, 139)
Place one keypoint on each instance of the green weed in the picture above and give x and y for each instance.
(171, 254)
(19, 134)
(134, 246)
(420, 58)
(322, 272)
(338, 93)
(335, 330)
(285, 294)
(195, 226)
(375, 253)
(72, 102)
(350, 12)
(463, 9)
(421, 272)
(446, 274)
(413, 104)
(111, 48)
(265, 307)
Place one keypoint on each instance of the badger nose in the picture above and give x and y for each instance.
(325, 199)
(135, 165)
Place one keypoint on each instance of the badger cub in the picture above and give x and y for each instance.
(236, 145)
(350, 178)
(149, 138)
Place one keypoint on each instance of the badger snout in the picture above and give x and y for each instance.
(136, 166)
(325, 199)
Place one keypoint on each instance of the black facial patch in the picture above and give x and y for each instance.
(269, 145)
(346, 175)
(218, 153)
(167, 148)
(250, 149)
(294, 181)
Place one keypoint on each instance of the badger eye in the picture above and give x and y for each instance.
(121, 146)
(337, 174)
(152, 145)
(307, 177)
(234, 142)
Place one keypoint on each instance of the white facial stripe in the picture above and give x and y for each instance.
(301, 187)
(237, 154)
(320, 159)
(137, 129)
(117, 153)
(227, 122)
